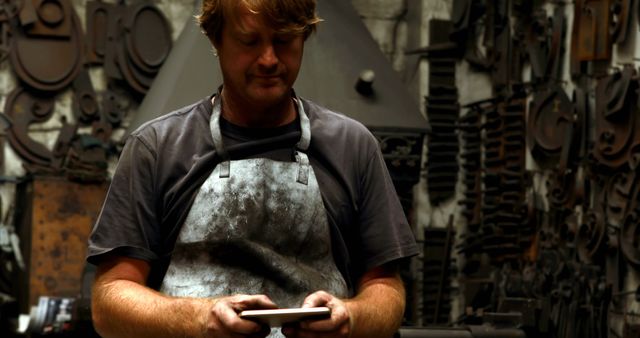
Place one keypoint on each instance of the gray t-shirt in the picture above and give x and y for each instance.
(165, 161)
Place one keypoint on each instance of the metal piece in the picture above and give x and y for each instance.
(550, 120)
(629, 238)
(24, 109)
(63, 62)
(55, 221)
(27, 13)
(593, 41)
(97, 14)
(147, 37)
(112, 110)
(54, 18)
(620, 18)
(5, 41)
(146, 44)
(615, 118)
(85, 103)
(544, 44)
(436, 279)
(62, 145)
(113, 37)
(442, 111)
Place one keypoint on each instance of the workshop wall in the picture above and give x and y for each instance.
(544, 99)
(541, 108)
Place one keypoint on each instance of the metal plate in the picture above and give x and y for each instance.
(60, 66)
(60, 217)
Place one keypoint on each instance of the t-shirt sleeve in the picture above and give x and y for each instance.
(127, 224)
(385, 233)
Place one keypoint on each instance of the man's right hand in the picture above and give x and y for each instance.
(224, 320)
(123, 307)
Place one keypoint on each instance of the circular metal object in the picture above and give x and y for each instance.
(88, 107)
(615, 118)
(24, 109)
(51, 12)
(551, 113)
(148, 38)
(48, 65)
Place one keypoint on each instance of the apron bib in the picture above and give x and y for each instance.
(257, 226)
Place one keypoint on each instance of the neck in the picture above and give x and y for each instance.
(247, 115)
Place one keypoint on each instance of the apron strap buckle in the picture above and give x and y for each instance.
(225, 169)
(303, 168)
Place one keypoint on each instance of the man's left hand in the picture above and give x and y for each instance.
(338, 325)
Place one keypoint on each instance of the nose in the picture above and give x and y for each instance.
(268, 57)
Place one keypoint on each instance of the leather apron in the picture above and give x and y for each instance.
(257, 226)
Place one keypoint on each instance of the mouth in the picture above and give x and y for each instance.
(267, 77)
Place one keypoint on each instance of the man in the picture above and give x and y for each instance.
(250, 199)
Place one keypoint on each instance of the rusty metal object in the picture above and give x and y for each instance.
(97, 17)
(465, 17)
(112, 109)
(544, 44)
(62, 145)
(72, 154)
(63, 61)
(620, 18)
(550, 123)
(615, 118)
(593, 41)
(56, 222)
(470, 128)
(24, 109)
(591, 237)
(9, 9)
(147, 37)
(629, 234)
(436, 305)
(442, 111)
(402, 152)
(47, 18)
(502, 232)
(85, 103)
(500, 49)
(132, 42)
(27, 13)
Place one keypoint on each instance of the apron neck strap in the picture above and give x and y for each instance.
(214, 126)
(305, 125)
(216, 133)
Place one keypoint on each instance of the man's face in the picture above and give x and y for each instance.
(259, 65)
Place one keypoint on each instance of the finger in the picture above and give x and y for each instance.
(245, 302)
(229, 319)
(319, 298)
(339, 317)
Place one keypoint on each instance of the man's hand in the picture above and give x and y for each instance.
(375, 311)
(123, 307)
(338, 325)
(223, 319)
